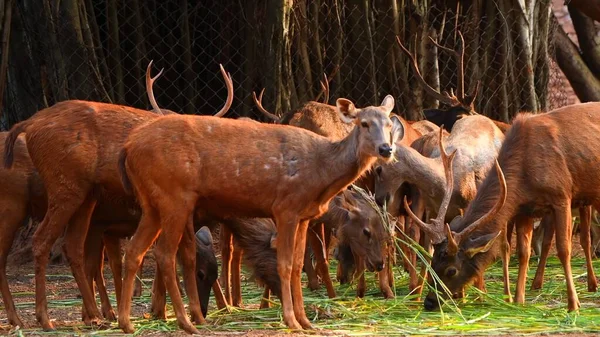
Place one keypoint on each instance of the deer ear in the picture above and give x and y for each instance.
(204, 236)
(346, 110)
(397, 129)
(388, 104)
(481, 244)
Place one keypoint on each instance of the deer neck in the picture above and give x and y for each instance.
(342, 163)
(426, 173)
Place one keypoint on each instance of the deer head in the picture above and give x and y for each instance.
(206, 266)
(455, 259)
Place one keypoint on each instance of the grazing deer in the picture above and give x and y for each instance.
(295, 187)
(515, 188)
(73, 145)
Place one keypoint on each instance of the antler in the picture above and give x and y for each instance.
(325, 88)
(445, 98)
(229, 84)
(149, 83)
(460, 60)
(491, 213)
(260, 107)
(436, 228)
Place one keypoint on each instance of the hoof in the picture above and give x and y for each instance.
(109, 314)
(293, 324)
(127, 327)
(189, 328)
(16, 321)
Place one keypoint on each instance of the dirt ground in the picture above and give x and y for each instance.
(62, 288)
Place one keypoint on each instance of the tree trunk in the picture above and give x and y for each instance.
(114, 51)
(6, 27)
(589, 41)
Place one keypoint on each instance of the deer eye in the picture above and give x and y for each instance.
(451, 271)
(367, 232)
(364, 124)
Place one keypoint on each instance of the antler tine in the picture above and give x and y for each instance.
(491, 213)
(460, 54)
(447, 162)
(229, 85)
(436, 235)
(434, 93)
(325, 88)
(260, 107)
(149, 91)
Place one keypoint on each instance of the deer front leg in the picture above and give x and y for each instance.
(385, 275)
(585, 213)
(226, 242)
(316, 237)
(505, 247)
(563, 224)
(287, 227)
(296, 281)
(548, 227)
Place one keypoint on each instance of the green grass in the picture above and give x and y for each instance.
(477, 314)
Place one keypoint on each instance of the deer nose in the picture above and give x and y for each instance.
(379, 266)
(385, 150)
(429, 303)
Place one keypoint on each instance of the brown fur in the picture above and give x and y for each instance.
(205, 170)
(569, 178)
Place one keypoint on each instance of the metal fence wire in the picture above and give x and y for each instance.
(99, 49)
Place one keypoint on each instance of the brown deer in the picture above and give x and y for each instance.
(534, 144)
(295, 186)
(78, 141)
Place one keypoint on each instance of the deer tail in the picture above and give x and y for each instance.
(123, 172)
(9, 143)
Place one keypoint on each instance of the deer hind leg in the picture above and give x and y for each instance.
(94, 263)
(147, 231)
(426, 243)
(585, 214)
(226, 242)
(548, 227)
(187, 257)
(74, 248)
(505, 247)
(159, 296)
(384, 276)
(287, 226)
(112, 248)
(61, 206)
(361, 286)
(236, 277)
(563, 222)
(9, 225)
(524, 231)
(316, 237)
(296, 281)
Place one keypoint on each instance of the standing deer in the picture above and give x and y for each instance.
(548, 163)
(295, 186)
(74, 146)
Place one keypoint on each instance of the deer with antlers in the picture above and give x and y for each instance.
(297, 188)
(515, 188)
(74, 146)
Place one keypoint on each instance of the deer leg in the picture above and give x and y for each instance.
(384, 276)
(311, 273)
(264, 301)
(585, 213)
(524, 231)
(94, 265)
(226, 239)
(148, 229)
(505, 251)
(74, 248)
(316, 237)
(187, 257)
(236, 277)
(423, 274)
(112, 248)
(548, 226)
(562, 226)
(286, 237)
(296, 281)
(9, 225)
(159, 296)
(59, 212)
(165, 251)
(137, 289)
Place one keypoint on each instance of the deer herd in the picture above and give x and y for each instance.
(282, 192)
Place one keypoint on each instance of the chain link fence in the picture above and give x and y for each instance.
(99, 50)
